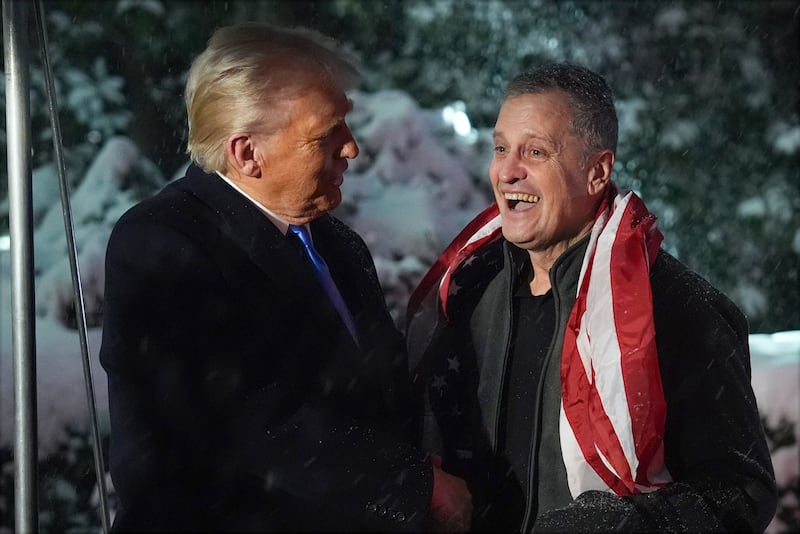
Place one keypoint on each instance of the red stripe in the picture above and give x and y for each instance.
(449, 257)
(633, 301)
(582, 408)
(634, 249)
(444, 289)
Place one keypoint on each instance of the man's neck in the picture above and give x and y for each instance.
(540, 284)
(279, 223)
(543, 260)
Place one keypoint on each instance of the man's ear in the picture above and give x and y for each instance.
(240, 153)
(599, 171)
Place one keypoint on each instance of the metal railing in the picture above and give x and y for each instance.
(18, 130)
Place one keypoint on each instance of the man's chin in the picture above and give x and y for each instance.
(327, 203)
(520, 238)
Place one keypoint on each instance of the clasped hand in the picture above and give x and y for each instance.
(451, 504)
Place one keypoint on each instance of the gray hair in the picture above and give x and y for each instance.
(243, 79)
(594, 118)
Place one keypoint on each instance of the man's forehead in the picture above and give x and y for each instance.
(532, 119)
(524, 134)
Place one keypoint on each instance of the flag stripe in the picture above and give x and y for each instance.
(611, 389)
(581, 399)
(640, 370)
(486, 226)
(601, 319)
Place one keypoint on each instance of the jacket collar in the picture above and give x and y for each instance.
(564, 272)
(244, 224)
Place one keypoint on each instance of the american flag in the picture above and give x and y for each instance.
(613, 410)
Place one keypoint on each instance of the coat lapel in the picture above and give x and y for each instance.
(284, 263)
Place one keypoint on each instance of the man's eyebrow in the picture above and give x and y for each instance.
(528, 136)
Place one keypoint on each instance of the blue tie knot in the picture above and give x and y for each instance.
(305, 238)
(302, 233)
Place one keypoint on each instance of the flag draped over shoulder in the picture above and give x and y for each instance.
(613, 410)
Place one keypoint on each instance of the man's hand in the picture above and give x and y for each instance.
(451, 503)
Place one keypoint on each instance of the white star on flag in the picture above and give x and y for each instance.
(453, 364)
(454, 288)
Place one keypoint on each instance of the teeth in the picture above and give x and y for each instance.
(533, 199)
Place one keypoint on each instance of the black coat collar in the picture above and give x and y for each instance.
(241, 222)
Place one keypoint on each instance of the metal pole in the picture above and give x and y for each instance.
(80, 308)
(20, 199)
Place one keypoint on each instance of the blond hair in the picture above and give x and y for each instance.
(244, 77)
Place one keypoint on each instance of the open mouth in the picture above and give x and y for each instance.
(520, 200)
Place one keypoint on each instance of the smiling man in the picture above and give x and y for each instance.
(256, 379)
(578, 377)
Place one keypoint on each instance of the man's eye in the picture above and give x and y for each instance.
(535, 152)
(500, 149)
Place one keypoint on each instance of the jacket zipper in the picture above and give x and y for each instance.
(501, 392)
(527, 520)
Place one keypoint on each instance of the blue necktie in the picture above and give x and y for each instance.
(324, 276)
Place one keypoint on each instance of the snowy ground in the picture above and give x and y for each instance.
(418, 180)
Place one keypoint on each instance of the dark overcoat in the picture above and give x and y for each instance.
(238, 399)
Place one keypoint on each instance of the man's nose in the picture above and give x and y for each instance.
(350, 147)
(509, 169)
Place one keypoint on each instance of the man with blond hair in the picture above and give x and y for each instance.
(256, 379)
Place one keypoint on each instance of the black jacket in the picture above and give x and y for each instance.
(238, 399)
(715, 448)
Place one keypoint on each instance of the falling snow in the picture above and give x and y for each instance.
(419, 179)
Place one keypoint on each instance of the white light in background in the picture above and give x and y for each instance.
(456, 116)
(5, 242)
